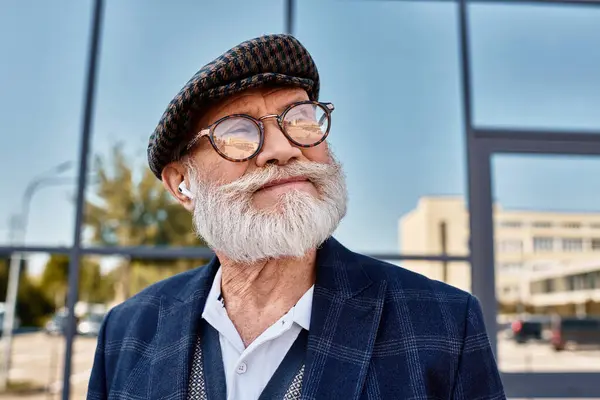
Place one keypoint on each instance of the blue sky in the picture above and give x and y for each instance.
(390, 68)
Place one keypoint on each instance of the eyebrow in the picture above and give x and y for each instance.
(244, 108)
(296, 99)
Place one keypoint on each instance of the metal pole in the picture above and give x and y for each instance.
(480, 195)
(81, 184)
(443, 240)
(9, 317)
(289, 17)
(14, 228)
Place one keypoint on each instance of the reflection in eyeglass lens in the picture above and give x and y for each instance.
(306, 123)
(237, 137)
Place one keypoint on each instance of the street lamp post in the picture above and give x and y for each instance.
(15, 267)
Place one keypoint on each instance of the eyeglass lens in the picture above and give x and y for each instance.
(238, 137)
(306, 124)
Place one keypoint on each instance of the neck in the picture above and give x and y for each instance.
(256, 295)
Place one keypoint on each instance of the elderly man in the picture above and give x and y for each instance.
(283, 311)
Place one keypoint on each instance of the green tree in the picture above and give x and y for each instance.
(130, 212)
(33, 306)
(93, 286)
(134, 209)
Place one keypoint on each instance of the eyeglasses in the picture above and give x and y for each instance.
(240, 137)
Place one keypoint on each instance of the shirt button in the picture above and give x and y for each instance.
(242, 368)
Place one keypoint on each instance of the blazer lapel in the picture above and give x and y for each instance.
(178, 322)
(345, 317)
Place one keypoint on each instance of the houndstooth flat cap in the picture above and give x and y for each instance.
(272, 59)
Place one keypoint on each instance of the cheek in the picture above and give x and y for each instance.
(224, 171)
(230, 171)
(318, 153)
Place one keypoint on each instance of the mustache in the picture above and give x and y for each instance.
(254, 181)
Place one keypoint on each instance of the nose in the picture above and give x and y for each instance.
(276, 149)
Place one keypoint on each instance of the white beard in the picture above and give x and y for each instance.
(226, 219)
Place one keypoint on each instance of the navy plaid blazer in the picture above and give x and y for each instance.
(377, 331)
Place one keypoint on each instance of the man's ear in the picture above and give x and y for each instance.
(172, 176)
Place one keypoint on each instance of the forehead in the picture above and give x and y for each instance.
(252, 101)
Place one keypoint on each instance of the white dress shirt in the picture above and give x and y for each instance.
(249, 369)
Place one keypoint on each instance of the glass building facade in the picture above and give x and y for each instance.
(469, 132)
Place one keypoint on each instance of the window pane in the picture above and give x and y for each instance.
(536, 66)
(397, 122)
(44, 52)
(149, 51)
(549, 291)
(541, 244)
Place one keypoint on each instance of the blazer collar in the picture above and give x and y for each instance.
(199, 285)
(347, 307)
(176, 334)
(338, 271)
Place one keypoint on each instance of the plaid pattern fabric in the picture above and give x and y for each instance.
(271, 59)
(377, 331)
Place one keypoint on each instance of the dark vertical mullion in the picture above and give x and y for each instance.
(75, 253)
(289, 17)
(479, 193)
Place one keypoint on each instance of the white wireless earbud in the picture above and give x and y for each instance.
(185, 191)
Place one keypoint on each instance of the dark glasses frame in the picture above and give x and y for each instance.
(209, 130)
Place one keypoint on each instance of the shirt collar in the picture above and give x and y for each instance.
(214, 301)
(301, 311)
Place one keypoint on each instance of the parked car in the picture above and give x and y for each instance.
(57, 325)
(90, 325)
(570, 332)
(530, 328)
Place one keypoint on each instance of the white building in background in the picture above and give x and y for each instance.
(564, 287)
(525, 240)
